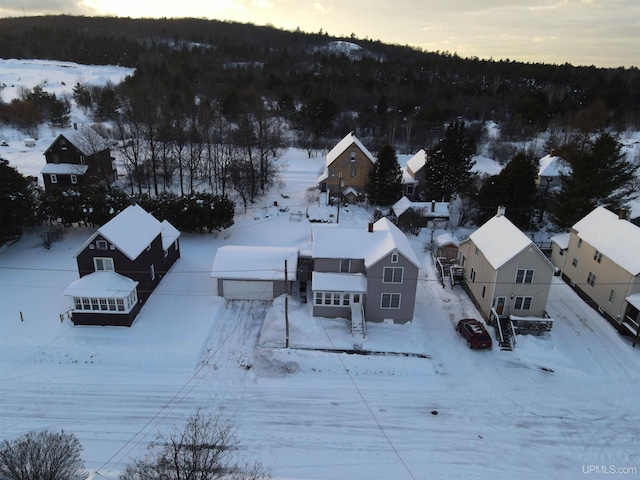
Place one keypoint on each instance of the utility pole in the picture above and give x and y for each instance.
(286, 305)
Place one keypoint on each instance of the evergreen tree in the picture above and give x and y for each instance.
(384, 185)
(600, 176)
(514, 187)
(448, 169)
(16, 202)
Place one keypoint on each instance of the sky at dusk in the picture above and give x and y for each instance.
(604, 33)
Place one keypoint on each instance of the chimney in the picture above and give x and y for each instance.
(552, 153)
(433, 206)
(370, 227)
(622, 214)
(501, 211)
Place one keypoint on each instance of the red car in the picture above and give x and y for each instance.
(475, 333)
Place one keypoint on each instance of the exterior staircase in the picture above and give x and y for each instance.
(505, 332)
(357, 324)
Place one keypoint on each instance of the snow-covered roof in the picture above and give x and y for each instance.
(446, 239)
(87, 140)
(634, 300)
(341, 282)
(561, 240)
(553, 166)
(101, 285)
(617, 239)
(345, 143)
(500, 240)
(416, 162)
(360, 243)
(426, 209)
(64, 169)
(133, 230)
(255, 263)
(169, 234)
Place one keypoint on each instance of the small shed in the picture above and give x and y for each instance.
(447, 244)
(254, 273)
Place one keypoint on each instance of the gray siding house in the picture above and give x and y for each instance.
(375, 268)
(505, 270)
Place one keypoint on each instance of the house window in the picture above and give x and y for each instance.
(390, 300)
(524, 275)
(394, 257)
(166, 253)
(484, 290)
(612, 296)
(591, 279)
(356, 298)
(473, 274)
(597, 256)
(101, 244)
(579, 242)
(574, 262)
(81, 159)
(561, 252)
(94, 304)
(78, 303)
(103, 304)
(409, 189)
(346, 299)
(86, 303)
(153, 272)
(56, 158)
(352, 156)
(54, 178)
(392, 274)
(345, 265)
(120, 303)
(522, 303)
(354, 171)
(332, 172)
(74, 179)
(112, 304)
(103, 264)
(464, 259)
(476, 251)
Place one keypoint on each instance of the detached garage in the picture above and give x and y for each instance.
(254, 273)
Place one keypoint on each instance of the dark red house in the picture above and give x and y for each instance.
(120, 265)
(78, 158)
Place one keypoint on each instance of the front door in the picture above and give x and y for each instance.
(498, 304)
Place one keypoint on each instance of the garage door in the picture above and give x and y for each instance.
(245, 290)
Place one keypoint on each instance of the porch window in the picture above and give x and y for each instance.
(335, 299)
(103, 264)
(522, 303)
(346, 298)
(390, 300)
(392, 274)
(524, 275)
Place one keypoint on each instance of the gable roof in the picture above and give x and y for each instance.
(425, 209)
(360, 243)
(345, 143)
(500, 240)
(255, 263)
(615, 238)
(83, 140)
(416, 162)
(133, 230)
(553, 166)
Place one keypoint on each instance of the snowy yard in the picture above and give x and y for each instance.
(561, 405)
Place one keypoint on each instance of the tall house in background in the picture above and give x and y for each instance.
(78, 158)
(347, 169)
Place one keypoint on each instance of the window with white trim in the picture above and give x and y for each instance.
(392, 274)
(524, 275)
(74, 179)
(105, 303)
(522, 303)
(101, 245)
(103, 264)
(394, 257)
(333, 299)
(612, 296)
(390, 300)
(54, 178)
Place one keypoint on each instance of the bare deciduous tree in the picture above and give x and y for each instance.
(203, 450)
(42, 456)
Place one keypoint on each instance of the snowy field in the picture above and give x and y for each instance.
(561, 405)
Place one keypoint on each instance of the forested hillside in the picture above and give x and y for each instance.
(326, 86)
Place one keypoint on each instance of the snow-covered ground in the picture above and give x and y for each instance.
(561, 405)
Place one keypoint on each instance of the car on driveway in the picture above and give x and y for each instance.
(474, 332)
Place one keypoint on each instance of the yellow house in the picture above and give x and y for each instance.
(347, 169)
(601, 262)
